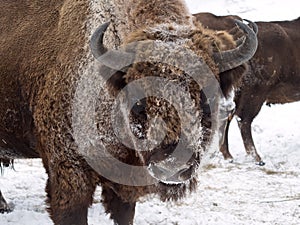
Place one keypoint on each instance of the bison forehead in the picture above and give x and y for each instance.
(163, 32)
(203, 42)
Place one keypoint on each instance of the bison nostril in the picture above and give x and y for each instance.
(186, 174)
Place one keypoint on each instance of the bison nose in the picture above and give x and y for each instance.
(166, 172)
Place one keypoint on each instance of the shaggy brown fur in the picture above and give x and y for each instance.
(37, 73)
(42, 47)
(273, 76)
(157, 11)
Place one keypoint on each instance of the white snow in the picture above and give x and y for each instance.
(228, 193)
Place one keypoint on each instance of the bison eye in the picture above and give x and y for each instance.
(139, 109)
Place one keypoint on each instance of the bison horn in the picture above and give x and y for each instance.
(230, 59)
(96, 43)
(252, 25)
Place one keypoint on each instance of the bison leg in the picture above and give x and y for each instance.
(121, 212)
(248, 106)
(224, 138)
(4, 207)
(245, 127)
(70, 192)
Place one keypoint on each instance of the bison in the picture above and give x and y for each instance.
(273, 75)
(48, 75)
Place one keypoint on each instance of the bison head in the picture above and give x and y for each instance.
(165, 86)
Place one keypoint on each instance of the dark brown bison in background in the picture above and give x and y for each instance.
(273, 74)
(45, 60)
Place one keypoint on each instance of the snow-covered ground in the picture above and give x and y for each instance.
(238, 193)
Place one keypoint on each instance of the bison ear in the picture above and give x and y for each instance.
(232, 79)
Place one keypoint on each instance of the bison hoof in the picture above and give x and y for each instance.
(230, 160)
(261, 163)
(6, 208)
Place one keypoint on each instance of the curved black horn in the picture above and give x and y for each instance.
(230, 59)
(96, 43)
(252, 25)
